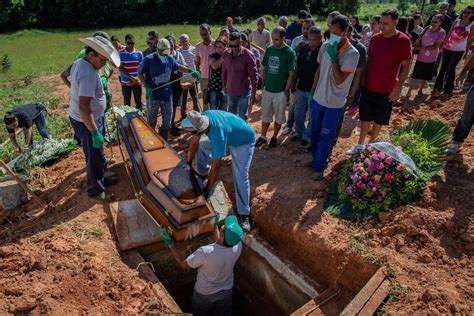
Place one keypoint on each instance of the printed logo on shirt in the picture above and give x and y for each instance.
(162, 78)
(273, 65)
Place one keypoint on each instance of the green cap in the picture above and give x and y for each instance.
(233, 233)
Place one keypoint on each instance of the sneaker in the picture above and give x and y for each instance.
(355, 149)
(287, 131)
(262, 140)
(103, 197)
(273, 142)
(245, 223)
(304, 143)
(294, 139)
(453, 149)
(318, 176)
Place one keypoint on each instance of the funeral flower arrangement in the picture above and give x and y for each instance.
(393, 171)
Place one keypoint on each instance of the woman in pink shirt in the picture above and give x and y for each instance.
(429, 43)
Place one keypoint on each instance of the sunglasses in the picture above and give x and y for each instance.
(130, 43)
(234, 46)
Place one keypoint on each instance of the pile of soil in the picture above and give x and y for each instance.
(66, 259)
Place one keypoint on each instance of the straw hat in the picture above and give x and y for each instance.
(103, 47)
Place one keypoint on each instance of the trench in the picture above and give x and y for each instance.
(264, 284)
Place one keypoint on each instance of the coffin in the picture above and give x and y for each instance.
(164, 182)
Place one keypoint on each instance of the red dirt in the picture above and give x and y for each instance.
(427, 246)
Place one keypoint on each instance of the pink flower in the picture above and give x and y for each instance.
(375, 157)
(360, 186)
(365, 176)
(400, 167)
(389, 177)
(381, 155)
(389, 160)
(379, 165)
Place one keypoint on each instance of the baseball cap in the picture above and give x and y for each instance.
(233, 233)
(163, 46)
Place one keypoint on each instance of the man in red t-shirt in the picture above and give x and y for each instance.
(388, 65)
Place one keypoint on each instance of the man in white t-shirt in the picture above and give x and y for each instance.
(215, 263)
(260, 36)
(86, 109)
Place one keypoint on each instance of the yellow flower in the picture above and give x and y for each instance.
(378, 177)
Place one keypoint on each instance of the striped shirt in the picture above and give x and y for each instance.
(131, 62)
(189, 57)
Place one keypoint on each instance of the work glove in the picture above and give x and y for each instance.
(195, 74)
(217, 217)
(97, 139)
(165, 235)
(310, 98)
(332, 52)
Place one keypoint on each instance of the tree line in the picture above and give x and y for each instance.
(47, 14)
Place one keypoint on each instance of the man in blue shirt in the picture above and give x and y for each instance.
(294, 29)
(223, 131)
(155, 73)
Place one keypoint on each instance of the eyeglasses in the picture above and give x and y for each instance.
(234, 46)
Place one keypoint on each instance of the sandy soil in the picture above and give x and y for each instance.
(66, 260)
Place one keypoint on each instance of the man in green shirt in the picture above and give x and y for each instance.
(279, 66)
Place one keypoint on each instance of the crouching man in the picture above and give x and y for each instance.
(23, 117)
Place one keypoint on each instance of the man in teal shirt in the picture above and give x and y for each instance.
(223, 130)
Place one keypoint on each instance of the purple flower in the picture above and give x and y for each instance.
(375, 157)
(381, 155)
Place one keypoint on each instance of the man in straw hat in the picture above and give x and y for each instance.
(154, 73)
(223, 131)
(215, 262)
(87, 104)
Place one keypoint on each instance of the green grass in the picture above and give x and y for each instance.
(28, 91)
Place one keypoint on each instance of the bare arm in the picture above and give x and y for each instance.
(467, 66)
(395, 94)
(355, 85)
(469, 41)
(213, 172)
(12, 137)
(260, 49)
(263, 76)
(28, 133)
(179, 258)
(65, 76)
(86, 113)
(125, 72)
(193, 146)
(289, 81)
(197, 62)
(339, 76)
(142, 79)
(316, 79)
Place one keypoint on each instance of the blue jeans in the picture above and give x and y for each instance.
(40, 122)
(300, 109)
(323, 130)
(166, 111)
(241, 160)
(464, 125)
(217, 100)
(239, 103)
(95, 159)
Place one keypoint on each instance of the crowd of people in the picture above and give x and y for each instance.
(308, 78)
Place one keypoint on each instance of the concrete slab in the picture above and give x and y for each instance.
(133, 226)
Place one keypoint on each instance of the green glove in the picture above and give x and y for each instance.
(195, 74)
(332, 52)
(310, 98)
(165, 235)
(97, 139)
(216, 220)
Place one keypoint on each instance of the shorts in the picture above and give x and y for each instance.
(273, 104)
(375, 107)
(423, 71)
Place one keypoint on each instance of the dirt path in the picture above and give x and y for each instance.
(67, 261)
